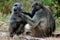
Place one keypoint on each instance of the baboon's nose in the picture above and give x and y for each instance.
(15, 9)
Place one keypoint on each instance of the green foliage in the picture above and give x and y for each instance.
(27, 5)
(47, 2)
(58, 23)
(5, 5)
(4, 18)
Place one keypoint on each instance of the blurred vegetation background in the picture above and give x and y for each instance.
(6, 7)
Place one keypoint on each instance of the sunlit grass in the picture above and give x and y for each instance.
(58, 23)
(4, 21)
(4, 18)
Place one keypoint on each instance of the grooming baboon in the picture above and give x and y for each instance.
(43, 23)
(16, 23)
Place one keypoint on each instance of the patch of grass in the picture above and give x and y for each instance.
(4, 21)
(4, 18)
(58, 23)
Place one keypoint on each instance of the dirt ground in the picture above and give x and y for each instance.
(28, 38)
(4, 35)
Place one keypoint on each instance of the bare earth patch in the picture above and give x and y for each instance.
(4, 35)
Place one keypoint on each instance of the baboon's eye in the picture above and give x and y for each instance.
(36, 4)
(15, 5)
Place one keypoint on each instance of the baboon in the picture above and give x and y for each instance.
(16, 23)
(42, 23)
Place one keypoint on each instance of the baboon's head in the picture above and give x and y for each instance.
(37, 5)
(17, 7)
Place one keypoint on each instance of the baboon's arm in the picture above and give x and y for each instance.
(30, 20)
